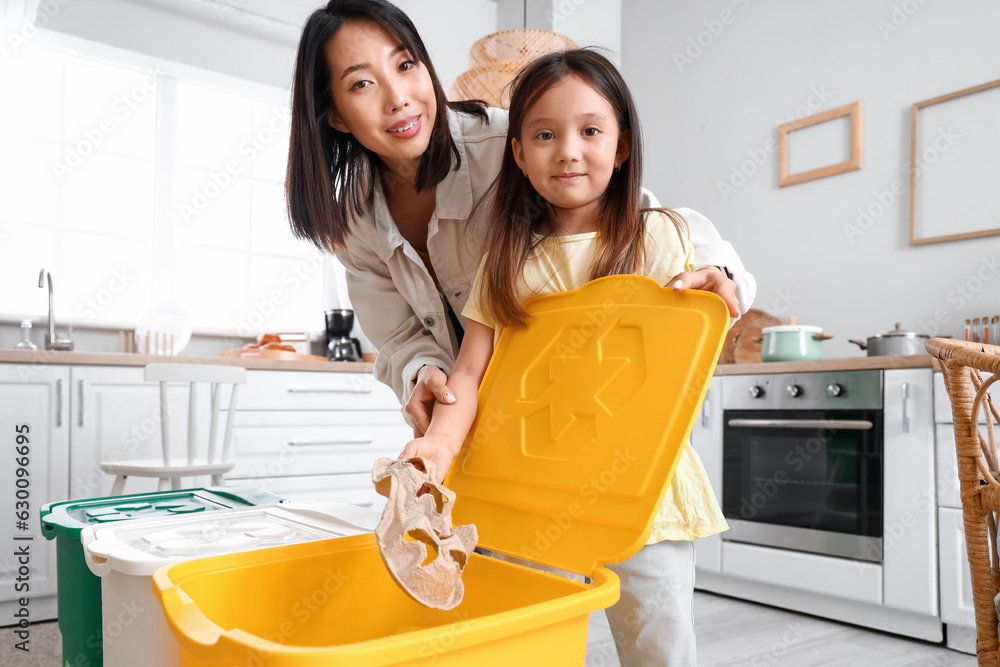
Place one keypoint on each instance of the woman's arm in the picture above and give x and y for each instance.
(450, 424)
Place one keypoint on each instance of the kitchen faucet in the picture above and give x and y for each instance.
(51, 341)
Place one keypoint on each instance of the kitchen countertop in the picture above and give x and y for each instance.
(117, 359)
(843, 364)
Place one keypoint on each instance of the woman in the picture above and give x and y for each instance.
(389, 175)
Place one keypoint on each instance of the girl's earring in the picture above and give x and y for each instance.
(618, 167)
(526, 174)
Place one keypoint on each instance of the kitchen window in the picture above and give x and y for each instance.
(134, 186)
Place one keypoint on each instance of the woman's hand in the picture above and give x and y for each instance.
(433, 448)
(710, 279)
(431, 386)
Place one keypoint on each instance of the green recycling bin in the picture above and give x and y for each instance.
(79, 590)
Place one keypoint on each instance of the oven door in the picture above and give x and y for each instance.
(809, 480)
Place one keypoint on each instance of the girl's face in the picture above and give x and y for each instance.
(570, 145)
(381, 95)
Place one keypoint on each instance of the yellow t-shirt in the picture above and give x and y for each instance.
(562, 263)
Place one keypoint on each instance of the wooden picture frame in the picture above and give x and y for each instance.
(853, 110)
(916, 165)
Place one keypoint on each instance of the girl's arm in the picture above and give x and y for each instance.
(450, 424)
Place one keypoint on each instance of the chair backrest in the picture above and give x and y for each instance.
(978, 473)
(194, 374)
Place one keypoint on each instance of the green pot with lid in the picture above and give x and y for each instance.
(792, 342)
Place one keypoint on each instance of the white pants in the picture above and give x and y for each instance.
(653, 622)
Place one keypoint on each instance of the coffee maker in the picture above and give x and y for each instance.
(339, 344)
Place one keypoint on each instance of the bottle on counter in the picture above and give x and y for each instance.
(25, 342)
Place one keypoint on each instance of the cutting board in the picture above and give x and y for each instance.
(284, 355)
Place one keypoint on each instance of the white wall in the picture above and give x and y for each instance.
(761, 64)
(252, 40)
(449, 28)
(585, 22)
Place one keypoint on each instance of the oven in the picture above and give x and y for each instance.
(802, 462)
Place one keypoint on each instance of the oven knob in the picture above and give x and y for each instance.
(756, 391)
(834, 389)
(793, 390)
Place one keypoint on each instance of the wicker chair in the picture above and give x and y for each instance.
(978, 474)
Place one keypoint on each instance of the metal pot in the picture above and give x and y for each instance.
(792, 342)
(895, 342)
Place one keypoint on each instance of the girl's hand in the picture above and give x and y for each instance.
(432, 448)
(710, 279)
(431, 386)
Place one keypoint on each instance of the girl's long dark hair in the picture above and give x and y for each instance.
(518, 211)
(331, 176)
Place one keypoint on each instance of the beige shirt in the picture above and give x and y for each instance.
(393, 295)
(690, 509)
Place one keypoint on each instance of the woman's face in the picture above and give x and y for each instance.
(570, 144)
(381, 94)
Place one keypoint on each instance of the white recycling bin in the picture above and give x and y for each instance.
(125, 556)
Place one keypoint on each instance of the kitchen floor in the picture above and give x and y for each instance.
(730, 632)
(736, 632)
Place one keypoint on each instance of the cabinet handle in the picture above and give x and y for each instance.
(906, 397)
(831, 424)
(80, 417)
(58, 403)
(346, 441)
(706, 410)
(362, 390)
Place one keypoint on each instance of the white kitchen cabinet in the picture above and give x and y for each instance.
(956, 581)
(315, 436)
(706, 439)
(36, 396)
(115, 417)
(957, 610)
(909, 537)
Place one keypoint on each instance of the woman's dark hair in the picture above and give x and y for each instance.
(518, 212)
(331, 176)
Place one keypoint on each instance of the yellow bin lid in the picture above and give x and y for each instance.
(582, 419)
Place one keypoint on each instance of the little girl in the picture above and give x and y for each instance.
(566, 211)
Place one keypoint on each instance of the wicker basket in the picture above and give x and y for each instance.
(491, 84)
(523, 44)
(495, 59)
(978, 474)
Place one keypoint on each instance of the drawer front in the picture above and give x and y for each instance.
(291, 390)
(284, 451)
(295, 419)
(351, 489)
(942, 402)
(956, 581)
(837, 577)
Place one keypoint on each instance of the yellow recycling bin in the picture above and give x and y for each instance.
(582, 418)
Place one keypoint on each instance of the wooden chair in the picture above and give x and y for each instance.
(203, 462)
(978, 474)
